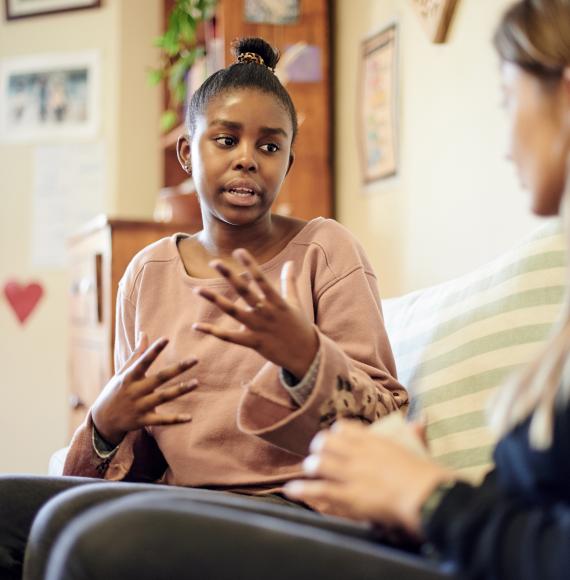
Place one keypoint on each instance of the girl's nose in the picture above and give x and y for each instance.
(245, 160)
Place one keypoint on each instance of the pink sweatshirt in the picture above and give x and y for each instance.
(246, 432)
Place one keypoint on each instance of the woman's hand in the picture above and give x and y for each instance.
(367, 476)
(129, 400)
(271, 323)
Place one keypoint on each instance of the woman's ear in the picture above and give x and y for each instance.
(183, 153)
(291, 159)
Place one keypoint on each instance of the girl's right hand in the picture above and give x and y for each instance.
(129, 400)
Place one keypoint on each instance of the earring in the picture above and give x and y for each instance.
(188, 167)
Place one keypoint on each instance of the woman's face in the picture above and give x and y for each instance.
(539, 134)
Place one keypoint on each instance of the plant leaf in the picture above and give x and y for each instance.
(168, 120)
(155, 76)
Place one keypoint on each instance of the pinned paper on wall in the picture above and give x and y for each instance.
(300, 63)
(69, 189)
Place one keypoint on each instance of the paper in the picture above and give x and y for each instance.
(69, 189)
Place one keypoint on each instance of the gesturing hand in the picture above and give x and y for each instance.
(368, 476)
(129, 400)
(271, 323)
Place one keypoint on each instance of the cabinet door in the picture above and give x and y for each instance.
(89, 372)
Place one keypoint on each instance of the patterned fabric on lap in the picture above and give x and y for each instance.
(455, 343)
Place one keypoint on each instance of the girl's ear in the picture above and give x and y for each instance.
(183, 153)
(291, 159)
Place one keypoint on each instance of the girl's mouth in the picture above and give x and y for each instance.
(241, 196)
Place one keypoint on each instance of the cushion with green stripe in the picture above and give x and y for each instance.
(457, 342)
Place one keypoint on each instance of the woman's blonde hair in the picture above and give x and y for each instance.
(535, 35)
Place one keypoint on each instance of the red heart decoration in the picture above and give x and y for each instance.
(23, 299)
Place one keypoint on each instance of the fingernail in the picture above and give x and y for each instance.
(185, 417)
(293, 488)
(317, 442)
(190, 385)
(311, 465)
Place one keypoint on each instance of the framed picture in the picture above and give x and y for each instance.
(49, 97)
(435, 16)
(26, 8)
(272, 11)
(378, 105)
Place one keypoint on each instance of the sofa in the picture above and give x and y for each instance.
(455, 343)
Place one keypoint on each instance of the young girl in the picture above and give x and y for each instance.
(312, 353)
(262, 371)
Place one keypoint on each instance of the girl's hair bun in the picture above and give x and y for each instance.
(257, 46)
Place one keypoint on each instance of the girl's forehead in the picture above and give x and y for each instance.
(245, 105)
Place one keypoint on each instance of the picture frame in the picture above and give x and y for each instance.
(51, 97)
(378, 105)
(16, 9)
(435, 16)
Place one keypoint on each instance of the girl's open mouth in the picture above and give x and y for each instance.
(241, 196)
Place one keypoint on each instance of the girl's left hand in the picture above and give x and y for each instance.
(272, 324)
(367, 476)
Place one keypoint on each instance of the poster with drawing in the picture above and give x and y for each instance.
(378, 106)
(49, 97)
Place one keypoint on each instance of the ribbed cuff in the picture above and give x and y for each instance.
(300, 391)
(103, 449)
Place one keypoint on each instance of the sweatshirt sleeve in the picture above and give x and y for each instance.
(490, 534)
(356, 374)
(138, 457)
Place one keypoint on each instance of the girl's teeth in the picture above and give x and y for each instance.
(241, 191)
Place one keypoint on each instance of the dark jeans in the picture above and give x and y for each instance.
(93, 529)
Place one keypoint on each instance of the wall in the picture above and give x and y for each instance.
(33, 381)
(457, 203)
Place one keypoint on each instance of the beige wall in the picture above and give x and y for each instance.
(33, 381)
(457, 203)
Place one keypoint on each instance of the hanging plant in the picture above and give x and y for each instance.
(179, 51)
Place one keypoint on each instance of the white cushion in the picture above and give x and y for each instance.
(456, 342)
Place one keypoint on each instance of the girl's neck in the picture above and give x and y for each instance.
(220, 239)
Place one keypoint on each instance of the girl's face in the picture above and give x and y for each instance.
(539, 135)
(240, 153)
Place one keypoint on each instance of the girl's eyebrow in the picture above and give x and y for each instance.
(238, 126)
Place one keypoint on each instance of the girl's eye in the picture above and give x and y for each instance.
(270, 147)
(225, 140)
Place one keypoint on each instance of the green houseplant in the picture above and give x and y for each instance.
(179, 50)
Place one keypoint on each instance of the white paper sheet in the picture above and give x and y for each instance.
(69, 189)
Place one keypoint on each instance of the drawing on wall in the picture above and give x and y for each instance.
(435, 16)
(272, 11)
(49, 97)
(22, 298)
(378, 106)
(26, 8)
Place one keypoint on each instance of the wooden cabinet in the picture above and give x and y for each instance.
(308, 189)
(99, 255)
